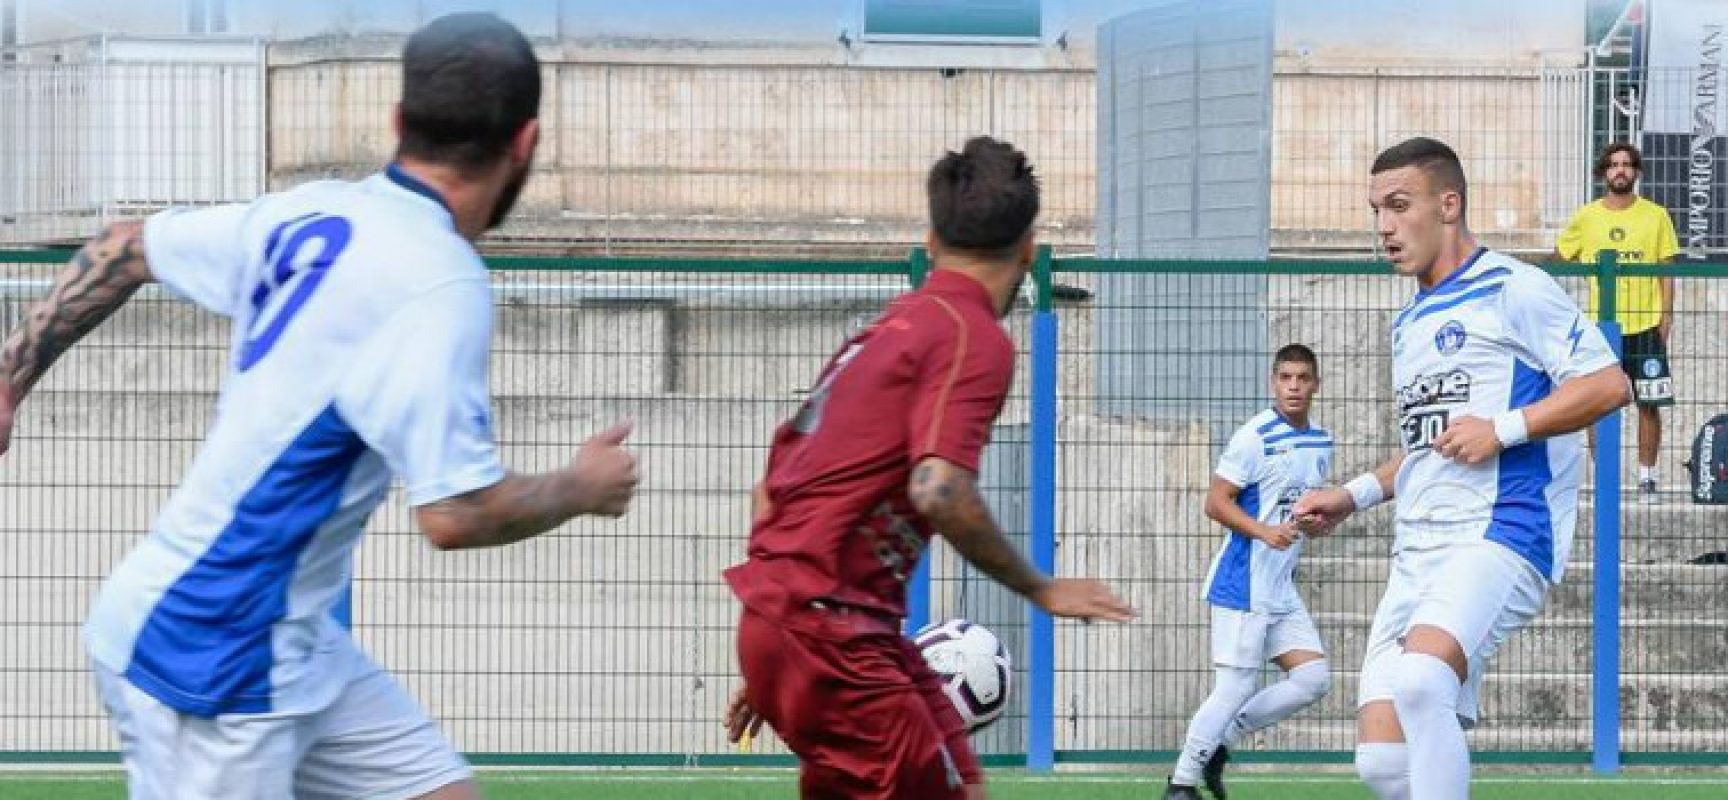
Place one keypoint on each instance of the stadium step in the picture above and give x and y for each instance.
(1696, 643)
(1303, 733)
(1668, 533)
(1333, 583)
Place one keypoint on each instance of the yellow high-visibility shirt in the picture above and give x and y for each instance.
(1642, 233)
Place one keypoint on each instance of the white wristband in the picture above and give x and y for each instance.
(1365, 490)
(1510, 429)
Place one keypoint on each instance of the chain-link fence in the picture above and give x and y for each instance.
(611, 642)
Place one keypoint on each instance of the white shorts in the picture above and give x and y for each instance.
(1249, 639)
(1480, 592)
(373, 742)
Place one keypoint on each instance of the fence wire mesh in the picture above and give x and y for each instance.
(614, 639)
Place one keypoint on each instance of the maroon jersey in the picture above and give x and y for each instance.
(927, 378)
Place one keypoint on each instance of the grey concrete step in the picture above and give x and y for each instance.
(1309, 734)
(1647, 591)
(1671, 532)
(1696, 644)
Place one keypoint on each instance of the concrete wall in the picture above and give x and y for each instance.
(806, 157)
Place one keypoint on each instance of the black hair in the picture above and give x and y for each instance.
(1433, 157)
(1607, 157)
(469, 84)
(984, 198)
(1296, 354)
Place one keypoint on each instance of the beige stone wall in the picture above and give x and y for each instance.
(720, 157)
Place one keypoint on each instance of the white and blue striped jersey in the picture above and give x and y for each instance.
(1274, 463)
(1496, 335)
(362, 324)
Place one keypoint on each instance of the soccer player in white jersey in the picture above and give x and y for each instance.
(362, 319)
(1257, 616)
(1495, 374)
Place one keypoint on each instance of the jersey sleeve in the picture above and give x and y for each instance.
(1550, 329)
(963, 376)
(200, 254)
(1570, 245)
(1242, 459)
(1667, 243)
(417, 393)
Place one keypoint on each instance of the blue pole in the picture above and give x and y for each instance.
(1041, 641)
(918, 597)
(918, 589)
(1605, 669)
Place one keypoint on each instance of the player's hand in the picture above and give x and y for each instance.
(1312, 525)
(1280, 537)
(1082, 598)
(741, 718)
(605, 473)
(1319, 511)
(1468, 440)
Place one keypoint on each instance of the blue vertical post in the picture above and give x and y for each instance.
(1605, 670)
(1041, 639)
(918, 589)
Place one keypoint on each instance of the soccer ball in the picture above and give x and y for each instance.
(974, 667)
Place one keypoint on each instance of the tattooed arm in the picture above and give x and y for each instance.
(100, 279)
(947, 495)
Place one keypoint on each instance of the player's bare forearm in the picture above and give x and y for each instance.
(1578, 403)
(1222, 508)
(947, 495)
(100, 278)
(1387, 474)
(509, 511)
(600, 480)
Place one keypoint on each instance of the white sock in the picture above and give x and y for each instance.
(1646, 473)
(1385, 767)
(1300, 688)
(1425, 692)
(1231, 689)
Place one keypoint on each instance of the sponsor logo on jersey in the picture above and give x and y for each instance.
(1440, 388)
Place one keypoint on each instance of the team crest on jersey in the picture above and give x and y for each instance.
(1652, 368)
(1450, 338)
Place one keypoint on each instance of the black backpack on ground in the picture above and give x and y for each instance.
(1709, 464)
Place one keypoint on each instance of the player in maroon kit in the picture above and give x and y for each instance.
(883, 454)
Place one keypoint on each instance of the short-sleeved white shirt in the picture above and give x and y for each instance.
(1273, 463)
(362, 327)
(1496, 335)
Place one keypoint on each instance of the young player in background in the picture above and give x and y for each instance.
(1257, 616)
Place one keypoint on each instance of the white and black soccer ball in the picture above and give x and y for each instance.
(975, 669)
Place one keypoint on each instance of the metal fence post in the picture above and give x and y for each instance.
(1605, 671)
(918, 589)
(1041, 641)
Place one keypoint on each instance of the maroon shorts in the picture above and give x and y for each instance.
(865, 715)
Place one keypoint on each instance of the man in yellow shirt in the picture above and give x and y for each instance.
(1641, 232)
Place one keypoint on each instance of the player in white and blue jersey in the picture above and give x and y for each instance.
(1272, 461)
(363, 322)
(1496, 373)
